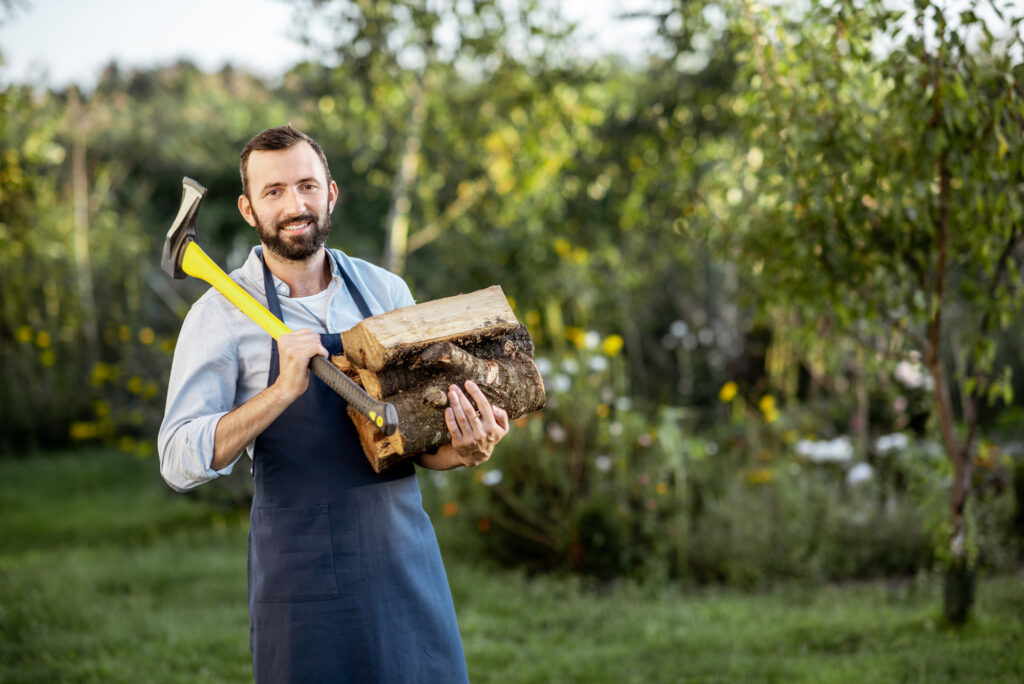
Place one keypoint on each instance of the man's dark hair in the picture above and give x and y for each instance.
(280, 138)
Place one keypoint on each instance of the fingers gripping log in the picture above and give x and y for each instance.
(183, 257)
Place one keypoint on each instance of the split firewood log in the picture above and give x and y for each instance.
(410, 357)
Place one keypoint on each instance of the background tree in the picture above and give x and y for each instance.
(880, 201)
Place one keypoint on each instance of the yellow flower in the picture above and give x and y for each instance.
(43, 339)
(602, 410)
(99, 374)
(728, 392)
(661, 489)
(532, 318)
(767, 407)
(612, 345)
(135, 385)
(577, 336)
(147, 336)
(562, 247)
(450, 509)
(83, 430)
(24, 333)
(760, 476)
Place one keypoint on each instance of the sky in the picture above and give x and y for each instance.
(58, 42)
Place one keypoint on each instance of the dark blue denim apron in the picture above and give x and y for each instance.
(346, 582)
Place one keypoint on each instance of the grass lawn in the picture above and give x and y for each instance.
(108, 576)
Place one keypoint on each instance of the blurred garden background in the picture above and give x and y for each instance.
(771, 261)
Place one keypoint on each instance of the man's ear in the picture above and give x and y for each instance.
(245, 209)
(333, 195)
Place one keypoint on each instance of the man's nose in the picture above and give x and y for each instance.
(296, 203)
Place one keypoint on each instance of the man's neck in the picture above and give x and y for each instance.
(303, 278)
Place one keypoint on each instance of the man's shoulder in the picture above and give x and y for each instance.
(361, 267)
(388, 288)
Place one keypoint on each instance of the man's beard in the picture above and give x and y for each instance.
(295, 247)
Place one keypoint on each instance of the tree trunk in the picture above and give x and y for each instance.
(409, 357)
(959, 593)
(80, 240)
(396, 227)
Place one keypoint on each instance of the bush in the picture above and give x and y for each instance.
(601, 486)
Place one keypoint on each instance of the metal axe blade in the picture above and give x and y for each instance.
(183, 229)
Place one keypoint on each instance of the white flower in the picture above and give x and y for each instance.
(603, 463)
(597, 364)
(711, 448)
(623, 404)
(911, 375)
(894, 442)
(591, 339)
(570, 366)
(615, 429)
(556, 433)
(835, 450)
(491, 477)
(678, 329)
(543, 365)
(862, 472)
(561, 383)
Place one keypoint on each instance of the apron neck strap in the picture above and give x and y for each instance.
(274, 303)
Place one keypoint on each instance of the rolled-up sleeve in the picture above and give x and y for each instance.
(200, 391)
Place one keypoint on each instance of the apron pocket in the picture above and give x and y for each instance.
(292, 555)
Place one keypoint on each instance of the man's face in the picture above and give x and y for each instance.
(290, 201)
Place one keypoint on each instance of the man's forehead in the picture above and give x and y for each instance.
(300, 161)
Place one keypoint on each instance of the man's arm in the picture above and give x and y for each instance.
(236, 429)
(197, 440)
(474, 433)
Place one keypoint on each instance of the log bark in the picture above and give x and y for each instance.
(413, 369)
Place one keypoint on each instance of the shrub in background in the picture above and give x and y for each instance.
(598, 485)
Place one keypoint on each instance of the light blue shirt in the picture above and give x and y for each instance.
(222, 358)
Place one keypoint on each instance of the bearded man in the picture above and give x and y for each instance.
(346, 582)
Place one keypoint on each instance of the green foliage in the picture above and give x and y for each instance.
(598, 486)
(877, 191)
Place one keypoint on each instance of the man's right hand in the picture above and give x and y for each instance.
(295, 351)
(242, 425)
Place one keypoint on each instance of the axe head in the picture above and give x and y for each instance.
(183, 230)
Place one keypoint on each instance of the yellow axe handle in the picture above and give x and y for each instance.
(197, 264)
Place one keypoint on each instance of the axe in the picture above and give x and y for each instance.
(182, 257)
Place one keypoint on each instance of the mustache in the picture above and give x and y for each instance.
(307, 216)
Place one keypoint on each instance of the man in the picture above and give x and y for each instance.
(345, 576)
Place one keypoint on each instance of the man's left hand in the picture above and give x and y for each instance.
(475, 430)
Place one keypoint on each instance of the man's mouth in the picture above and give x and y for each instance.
(299, 225)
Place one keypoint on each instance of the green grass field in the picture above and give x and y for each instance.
(108, 576)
